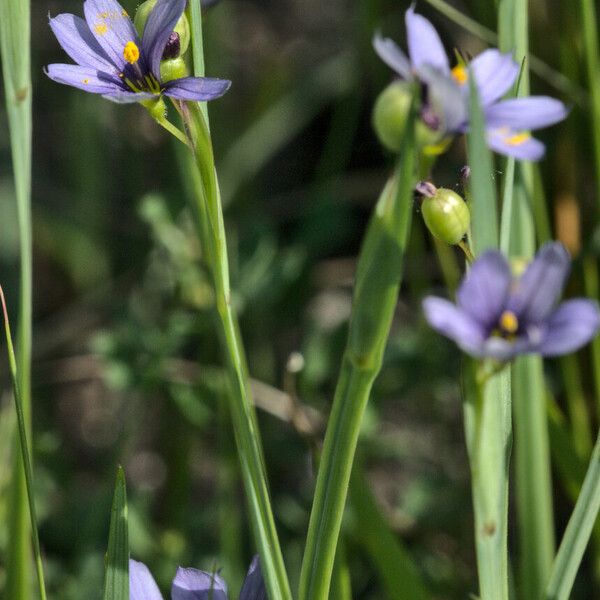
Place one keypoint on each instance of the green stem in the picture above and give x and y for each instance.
(241, 407)
(488, 433)
(16, 68)
(532, 452)
(592, 289)
(209, 211)
(376, 289)
(592, 63)
(24, 446)
(175, 131)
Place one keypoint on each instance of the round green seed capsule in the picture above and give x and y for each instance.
(182, 27)
(390, 114)
(175, 68)
(446, 215)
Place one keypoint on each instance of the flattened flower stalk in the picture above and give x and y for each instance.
(446, 91)
(113, 61)
(499, 316)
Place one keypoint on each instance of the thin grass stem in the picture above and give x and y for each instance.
(24, 446)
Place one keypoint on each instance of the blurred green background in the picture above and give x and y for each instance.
(126, 364)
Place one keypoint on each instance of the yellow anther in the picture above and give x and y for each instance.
(509, 322)
(131, 53)
(124, 13)
(100, 28)
(103, 15)
(517, 139)
(460, 74)
(86, 81)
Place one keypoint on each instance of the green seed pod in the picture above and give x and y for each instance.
(389, 118)
(446, 215)
(182, 28)
(174, 68)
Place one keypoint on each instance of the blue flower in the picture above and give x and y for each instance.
(498, 316)
(192, 584)
(113, 61)
(447, 91)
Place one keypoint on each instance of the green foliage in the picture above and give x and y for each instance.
(116, 578)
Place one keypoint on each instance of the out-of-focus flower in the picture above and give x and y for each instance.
(507, 121)
(443, 108)
(499, 316)
(192, 584)
(113, 61)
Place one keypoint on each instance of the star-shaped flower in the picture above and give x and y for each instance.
(499, 316)
(113, 61)
(507, 121)
(192, 584)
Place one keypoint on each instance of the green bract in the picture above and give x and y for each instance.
(390, 114)
(446, 215)
(182, 28)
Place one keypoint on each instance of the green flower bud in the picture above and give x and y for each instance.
(446, 215)
(174, 68)
(390, 114)
(182, 28)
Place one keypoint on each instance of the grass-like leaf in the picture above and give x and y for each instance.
(16, 67)
(578, 532)
(116, 578)
(398, 572)
(24, 445)
(532, 449)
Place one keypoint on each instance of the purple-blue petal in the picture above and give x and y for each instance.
(254, 585)
(159, 26)
(572, 325)
(196, 88)
(192, 584)
(141, 583)
(445, 98)
(538, 289)
(494, 74)
(451, 321)
(533, 112)
(111, 26)
(392, 56)
(124, 97)
(424, 44)
(77, 41)
(519, 145)
(503, 350)
(84, 78)
(484, 291)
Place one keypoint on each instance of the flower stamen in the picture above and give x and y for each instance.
(131, 53)
(460, 74)
(509, 322)
(518, 139)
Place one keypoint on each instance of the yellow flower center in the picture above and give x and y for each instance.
(517, 139)
(509, 322)
(131, 53)
(460, 74)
